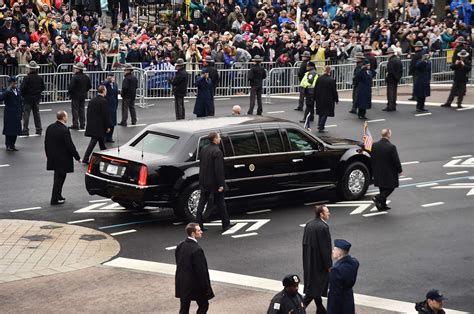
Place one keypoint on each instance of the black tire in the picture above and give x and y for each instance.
(351, 189)
(187, 204)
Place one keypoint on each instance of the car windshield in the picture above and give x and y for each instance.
(155, 143)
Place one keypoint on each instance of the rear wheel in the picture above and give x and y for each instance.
(354, 181)
(188, 201)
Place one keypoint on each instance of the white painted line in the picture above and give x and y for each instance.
(100, 201)
(235, 228)
(178, 223)
(463, 184)
(259, 211)
(423, 114)
(405, 179)
(244, 235)
(2, 105)
(83, 130)
(432, 204)
(134, 125)
(80, 221)
(24, 209)
(330, 126)
(186, 100)
(463, 156)
(426, 185)
(372, 193)
(281, 111)
(303, 225)
(26, 136)
(410, 163)
(376, 120)
(316, 203)
(222, 98)
(170, 248)
(123, 232)
(260, 283)
(456, 172)
(465, 108)
(45, 110)
(353, 202)
(4, 165)
(375, 214)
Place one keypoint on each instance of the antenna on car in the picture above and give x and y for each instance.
(143, 144)
(118, 143)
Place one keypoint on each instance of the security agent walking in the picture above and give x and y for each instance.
(433, 303)
(326, 98)
(359, 58)
(393, 76)
(129, 93)
(60, 151)
(78, 88)
(341, 280)
(112, 104)
(212, 180)
(422, 82)
(11, 96)
(32, 86)
(412, 67)
(301, 72)
(461, 69)
(386, 168)
(288, 300)
(256, 76)
(308, 83)
(98, 122)
(363, 100)
(192, 281)
(180, 88)
(317, 260)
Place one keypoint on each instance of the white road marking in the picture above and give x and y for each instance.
(331, 126)
(423, 114)
(80, 221)
(178, 223)
(260, 283)
(134, 125)
(83, 130)
(123, 232)
(372, 193)
(426, 185)
(375, 120)
(222, 98)
(259, 211)
(303, 225)
(375, 214)
(244, 235)
(45, 110)
(100, 201)
(459, 163)
(432, 204)
(410, 163)
(315, 203)
(463, 156)
(281, 111)
(235, 228)
(170, 248)
(24, 209)
(405, 179)
(465, 108)
(31, 135)
(4, 165)
(456, 172)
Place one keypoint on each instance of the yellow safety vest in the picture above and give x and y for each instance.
(309, 79)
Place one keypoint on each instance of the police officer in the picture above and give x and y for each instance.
(12, 114)
(129, 93)
(412, 68)
(422, 81)
(462, 44)
(359, 58)
(180, 88)
(308, 83)
(301, 72)
(461, 69)
(256, 76)
(31, 88)
(371, 58)
(78, 88)
(394, 74)
(288, 300)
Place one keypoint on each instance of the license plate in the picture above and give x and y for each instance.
(112, 169)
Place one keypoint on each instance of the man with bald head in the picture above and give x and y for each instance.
(386, 168)
(236, 110)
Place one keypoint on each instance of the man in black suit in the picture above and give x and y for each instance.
(386, 168)
(180, 88)
(326, 97)
(78, 88)
(97, 122)
(212, 180)
(129, 93)
(317, 260)
(192, 281)
(60, 151)
(394, 74)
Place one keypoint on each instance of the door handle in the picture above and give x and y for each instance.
(297, 160)
(239, 166)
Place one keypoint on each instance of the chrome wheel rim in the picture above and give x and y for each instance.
(356, 181)
(193, 202)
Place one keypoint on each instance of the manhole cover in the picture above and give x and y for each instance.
(38, 237)
(50, 227)
(92, 237)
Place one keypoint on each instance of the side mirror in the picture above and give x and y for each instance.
(321, 147)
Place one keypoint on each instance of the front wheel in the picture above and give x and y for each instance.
(354, 181)
(188, 201)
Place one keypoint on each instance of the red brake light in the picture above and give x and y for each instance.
(143, 175)
(89, 168)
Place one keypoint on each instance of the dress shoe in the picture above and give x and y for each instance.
(123, 124)
(353, 111)
(62, 198)
(39, 133)
(388, 109)
(377, 204)
(224, 229)
(134, 123)
(446, 105)
(298, 109)
(9, 149)
(412, 98)
(460, 106)
(250, 113)
(73, 127)
(386, 207)
(110, 141)
(82, 127)
(421, 110)
(58, 202)
(322, 131)
(13, 148)
(25, 133)
(362, 117)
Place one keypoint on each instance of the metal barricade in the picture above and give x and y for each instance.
(281, 81)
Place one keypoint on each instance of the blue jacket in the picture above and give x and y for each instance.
(364, 89)
(342, 278)
(112, 101)
(13, 111)
(422, 82)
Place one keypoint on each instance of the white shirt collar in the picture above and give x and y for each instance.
(191, 238)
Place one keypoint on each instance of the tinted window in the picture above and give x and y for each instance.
(274, 141)
(155, 143)
(203, 142)
(262, 141)
(300, 142)
(227, 146)
(244, 144)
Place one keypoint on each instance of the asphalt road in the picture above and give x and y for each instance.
(425, 241)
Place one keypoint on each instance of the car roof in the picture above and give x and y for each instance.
(183, 127)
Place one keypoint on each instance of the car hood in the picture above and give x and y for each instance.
(132, 154)
(336, 141)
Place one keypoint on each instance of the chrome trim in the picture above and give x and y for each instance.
(270, 154)
(283, 191)
(239, 166)
(139, 187)
(297, 160)
(287, 174)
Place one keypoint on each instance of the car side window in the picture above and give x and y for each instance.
(203, 142)
(262, 141)
(228, 151)
(299, 142)
(274, 141)
(244, 144)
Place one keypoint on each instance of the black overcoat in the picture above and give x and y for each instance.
(364, 89)
(203, 105)
(422, 81)
(394, 69)
(97, 117)
(129, 86)
(211, 168)
(79, 86)
(12, 112)
(59, 148)
(386, 164)
(317, 260)
(180, 83)
(342, 278)
(325, 95)
(32, 86)
(192, 274)
(112, 102)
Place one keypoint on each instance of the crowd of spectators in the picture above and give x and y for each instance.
(58, 32)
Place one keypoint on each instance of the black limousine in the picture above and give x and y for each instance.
(263, 156)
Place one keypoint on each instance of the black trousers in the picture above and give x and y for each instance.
(179, 107)
(28, 105)
(301, 99)
(59, 178)
(10, 140)
(128, 104)
(392, 94)
(413, 87)
(109, 136)
(309, 106)
(78, 112)
(320, 309)
(361, 112)
(203, 306)
(458, 89)
(322, 122)
(354, 96)
(220, 202)
(420, 102)
(256, 92)
(91, 146)
(382, 196)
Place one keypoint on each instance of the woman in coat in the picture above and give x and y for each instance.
(203, 104)
(422, 82)
(12, 114)
(363, 99)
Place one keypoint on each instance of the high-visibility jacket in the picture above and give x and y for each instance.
(309, 79)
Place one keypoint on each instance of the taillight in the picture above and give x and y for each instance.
(143, 175)
(89, 168)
